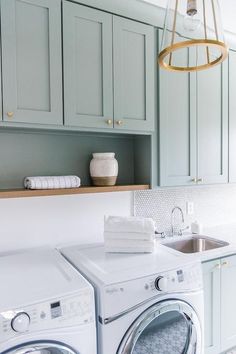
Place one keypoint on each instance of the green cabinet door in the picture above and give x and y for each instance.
(212, 124)
(88, 95)
(212, 302)
(31, 61)
(177, 125)
(134, 69)
(232, 116)
(228, 303)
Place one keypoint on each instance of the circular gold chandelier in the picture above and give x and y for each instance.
(193, 37)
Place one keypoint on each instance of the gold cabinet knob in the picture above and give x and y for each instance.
(217, 266)
(119, 122)
(200, 180)
(10, 114)
(194, 180)
(225, 264)
(109, 121)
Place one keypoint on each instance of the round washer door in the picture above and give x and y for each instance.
(168, 327)
(41, 348)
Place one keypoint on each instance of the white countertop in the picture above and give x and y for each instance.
(225, 233)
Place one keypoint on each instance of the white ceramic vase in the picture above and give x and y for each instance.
(104, 169)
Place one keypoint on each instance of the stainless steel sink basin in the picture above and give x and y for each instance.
(196, 244)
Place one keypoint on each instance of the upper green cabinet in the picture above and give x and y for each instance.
(177, 125)
(134, 63)
(193, 132)
(212, 124)
(31, 61)
(232, 116)
(108, 70)
(87, 35)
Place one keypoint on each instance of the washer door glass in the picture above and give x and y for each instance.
(165, 328)
(42, 348)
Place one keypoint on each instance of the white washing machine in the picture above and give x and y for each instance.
(46, 306)
(145, 303)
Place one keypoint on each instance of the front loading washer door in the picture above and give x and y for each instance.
(41, 348)
(168, 327)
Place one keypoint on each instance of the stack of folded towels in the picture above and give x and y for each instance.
(129, 234)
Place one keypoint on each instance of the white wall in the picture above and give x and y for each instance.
(32, 222)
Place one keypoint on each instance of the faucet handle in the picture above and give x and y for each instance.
(180, 232)
(163, 234)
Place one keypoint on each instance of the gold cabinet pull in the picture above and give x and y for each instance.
(109, 121)
(10, 114)
(199, 180)
(194, 180)
(217, 266)
(119, 122)
(225, 264)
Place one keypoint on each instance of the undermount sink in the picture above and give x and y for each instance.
(196, 244)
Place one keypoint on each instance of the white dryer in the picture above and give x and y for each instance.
(46, 306)
(145, 303)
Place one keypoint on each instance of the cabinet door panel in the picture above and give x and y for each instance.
(134, 63)
(228, 304)
(31, 61)
(212, 301)
(232, 116)
(212, 117)
(177, 125)
(87, 37)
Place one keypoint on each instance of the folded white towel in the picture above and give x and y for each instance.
(51, 182)
(129, 246)
(129, 224)
(128, 236)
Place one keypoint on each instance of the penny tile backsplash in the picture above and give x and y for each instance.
(213, 205)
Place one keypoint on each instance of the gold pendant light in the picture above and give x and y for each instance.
(193, 25)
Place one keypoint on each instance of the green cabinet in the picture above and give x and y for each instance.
(232, 116)
(31, 61)
(108, 70)
(193, 133)
(134, 63)
(212, 124)
(211, 280)
(219, 304)
(88, 95)
(177, 125)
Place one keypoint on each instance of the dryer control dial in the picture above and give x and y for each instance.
(161, 283)
(20, 323)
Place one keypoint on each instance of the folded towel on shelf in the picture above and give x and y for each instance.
(51, 182)
(129, 246)
(129, 224)
(128, 236)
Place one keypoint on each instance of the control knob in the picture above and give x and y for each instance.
(161, 283)
(20, 323)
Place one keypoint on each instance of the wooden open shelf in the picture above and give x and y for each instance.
(24, 193)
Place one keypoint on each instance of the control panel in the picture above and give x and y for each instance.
(58, 313)
(131, 293)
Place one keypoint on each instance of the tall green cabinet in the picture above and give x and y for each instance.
(31, 61)
(193, 131)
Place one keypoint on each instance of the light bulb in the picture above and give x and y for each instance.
(191, 20)
(192, 23)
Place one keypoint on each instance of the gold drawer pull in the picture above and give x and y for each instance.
(200, 180)
(109, 121)
(225, 264)
(194, 180)
(119, 122)
(10, 114)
